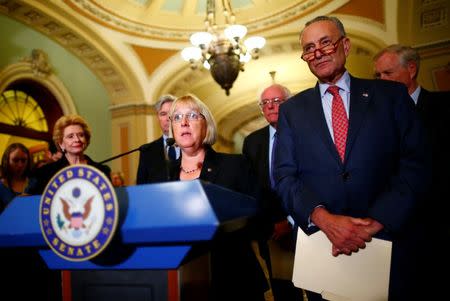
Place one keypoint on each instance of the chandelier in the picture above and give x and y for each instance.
(221, 48)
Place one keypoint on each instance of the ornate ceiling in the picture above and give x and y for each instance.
(175, 20)
(134, 46)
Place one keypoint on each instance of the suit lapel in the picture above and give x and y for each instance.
(210, 168)
(360, 97)
(319, 123)
(162, 151)
(265, 141)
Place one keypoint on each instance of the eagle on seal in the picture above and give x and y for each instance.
(76, 216)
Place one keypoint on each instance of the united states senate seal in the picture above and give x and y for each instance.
(78, 213)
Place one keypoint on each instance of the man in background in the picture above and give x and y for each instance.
(401, 64)
(154, 156)
(258, 148)
(117, 179)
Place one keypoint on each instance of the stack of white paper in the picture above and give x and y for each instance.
(363, 276)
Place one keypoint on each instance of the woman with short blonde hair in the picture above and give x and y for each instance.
(71, 135)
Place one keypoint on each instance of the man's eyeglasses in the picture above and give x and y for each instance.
(191, 116)
(275, 101)
(327, 49)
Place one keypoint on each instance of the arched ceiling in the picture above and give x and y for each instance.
(175, 20)
(133, 46)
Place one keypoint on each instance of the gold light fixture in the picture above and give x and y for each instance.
(221, 48)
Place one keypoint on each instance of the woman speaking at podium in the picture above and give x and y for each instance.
(71, 135)
(235, 271)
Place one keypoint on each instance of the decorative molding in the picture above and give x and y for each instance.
(127, 110)
(25, 70)
(68, 38)
(433, 49)
(113, 20)
(39, 63)
(434, 18)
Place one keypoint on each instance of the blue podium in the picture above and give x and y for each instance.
(162, 227)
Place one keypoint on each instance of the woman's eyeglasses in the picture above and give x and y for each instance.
(191, 116)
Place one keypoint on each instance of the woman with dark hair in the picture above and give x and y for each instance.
(71, 135)
(15, 169)
(24, 268)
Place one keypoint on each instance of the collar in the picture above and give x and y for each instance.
(343, 83)
(272, 131)
(164, 139)
(415, 95)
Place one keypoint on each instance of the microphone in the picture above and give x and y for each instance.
(140, 148)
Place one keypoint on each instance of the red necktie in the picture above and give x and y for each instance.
(339, 120)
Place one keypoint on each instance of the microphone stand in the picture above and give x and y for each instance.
(169, 141)
(120, 155)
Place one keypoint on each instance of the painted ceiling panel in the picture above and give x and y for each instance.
(173, 5)
(241, 3)
(175, 20)
(369, 9)
(142, 2)
(151, 58)
(201, 7)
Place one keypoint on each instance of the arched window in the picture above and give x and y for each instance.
(20, 109)
(32, 98)
(28, 112)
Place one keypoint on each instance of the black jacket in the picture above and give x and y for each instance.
(153, 166)
(41, 176)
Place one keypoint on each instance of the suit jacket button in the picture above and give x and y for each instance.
(345, 176)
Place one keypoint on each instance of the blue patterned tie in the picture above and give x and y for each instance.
(274, 144)
(171, 153)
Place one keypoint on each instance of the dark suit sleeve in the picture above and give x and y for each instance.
(245, 148)
(142, 176)
(106, 170)
(153, 166)
(298, 200)
(408, 184)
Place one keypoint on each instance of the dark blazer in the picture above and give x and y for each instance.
(41, 176)
(434, 108)
(385, 174)
(235, 271)
(153, 166)
(256, 150)
(228, 170)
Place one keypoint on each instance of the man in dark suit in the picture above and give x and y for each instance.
(351, 159)
(154, 156)
(401, 64)
(257, 147)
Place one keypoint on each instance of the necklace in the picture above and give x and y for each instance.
(199, 166)
(188, 171)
